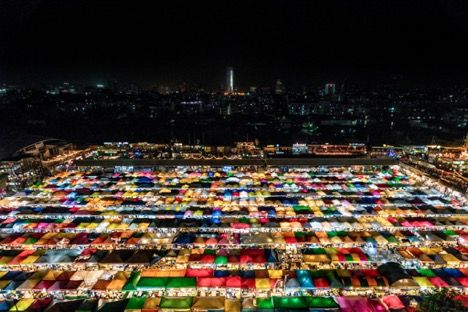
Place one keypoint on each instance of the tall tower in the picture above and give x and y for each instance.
(229, 80)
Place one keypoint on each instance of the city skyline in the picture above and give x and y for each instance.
(223, 84)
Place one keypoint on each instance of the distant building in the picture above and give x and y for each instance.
(300, 109)
(279, 87)
(299, 148)
(164, 89)
(330, 89)
(230, 80)
(43, 149)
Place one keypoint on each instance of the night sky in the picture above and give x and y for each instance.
(170, 42)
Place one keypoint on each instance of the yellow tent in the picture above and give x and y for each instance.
(423, 281)
(208, 303)
(262, 283)
(28, 284)
(316, 259)
(152, 303)
(116, 284)
(275, 273)
(52, 275)
(22, 305)
(163, 273)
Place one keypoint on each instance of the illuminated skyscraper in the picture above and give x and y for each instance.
(229, 80)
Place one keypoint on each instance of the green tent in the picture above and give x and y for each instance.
(426, 272)
(176, 302)
(265, 303)
(132, 282)
(31, 240)
(319, 273)
(449, 232)
(392, 239)
(299, 208)
(135, 303)
(181, 282)
(148, 283)
(332, 233)
(315, 251)
(320, 302)
(299, 234)
(221, 260)
(289, 302)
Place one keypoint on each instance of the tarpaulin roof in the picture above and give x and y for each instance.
(393, 271)
(176, 302)
(208, 303)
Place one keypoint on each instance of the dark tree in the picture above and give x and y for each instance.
(439, 300)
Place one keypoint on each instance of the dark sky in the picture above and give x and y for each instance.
(154, 42)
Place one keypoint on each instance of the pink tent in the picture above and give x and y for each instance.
(378, 305)
(393, 302)
(354, 304)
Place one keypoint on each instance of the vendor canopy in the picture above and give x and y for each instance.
(395, 274)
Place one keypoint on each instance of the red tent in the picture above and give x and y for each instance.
(463, 281)
(211, 282)
(463, 299)
(370, 272)
(44, 285)
(204, 282)
(207, 259)
(234, 282)
(252, 252)
(248, 283)
(233, 259)
(321, 282)
(199, 272)
(438, 282)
